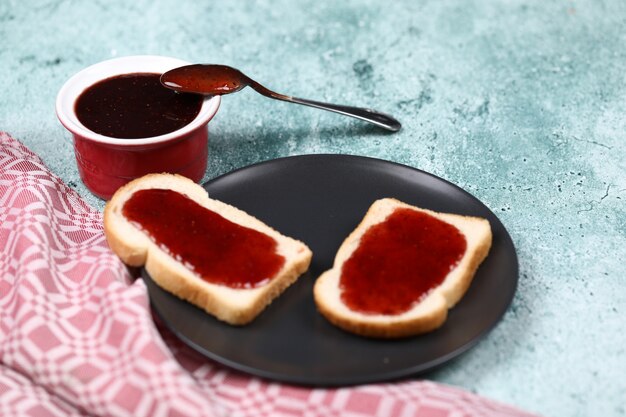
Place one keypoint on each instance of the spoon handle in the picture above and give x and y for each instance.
(380, 119)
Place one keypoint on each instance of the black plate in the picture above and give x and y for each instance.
(320, 199)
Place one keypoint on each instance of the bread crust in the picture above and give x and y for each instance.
(234, 306)
(426, 315)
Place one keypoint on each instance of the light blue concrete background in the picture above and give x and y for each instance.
(522, 103)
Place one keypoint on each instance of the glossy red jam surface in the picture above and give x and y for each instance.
(205, 79)
(218, 250)
(133, 106)
(399, 261)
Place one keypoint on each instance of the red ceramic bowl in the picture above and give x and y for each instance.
(106, 163)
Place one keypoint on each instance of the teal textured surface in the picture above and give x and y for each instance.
(521, 103)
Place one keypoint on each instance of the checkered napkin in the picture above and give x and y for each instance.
(77, 337)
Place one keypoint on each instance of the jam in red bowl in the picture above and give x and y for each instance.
(125, 124)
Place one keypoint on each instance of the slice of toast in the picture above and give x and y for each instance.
(429, 311)
(235, 306)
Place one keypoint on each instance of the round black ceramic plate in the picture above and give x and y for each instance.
(320, 199)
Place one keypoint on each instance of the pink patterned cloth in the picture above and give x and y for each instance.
(77, 337)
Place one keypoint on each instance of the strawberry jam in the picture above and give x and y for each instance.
(134, 106)
(218, 250)
(399, 261)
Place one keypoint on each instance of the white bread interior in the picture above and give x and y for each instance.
(234, 306)
(427, 314)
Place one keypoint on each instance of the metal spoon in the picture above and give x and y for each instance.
(210, 79)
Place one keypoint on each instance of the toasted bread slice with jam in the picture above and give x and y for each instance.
(401, 269)
(160, 220)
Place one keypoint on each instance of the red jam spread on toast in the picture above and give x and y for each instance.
(133, 106)
(399, 261)
(218, 250)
